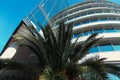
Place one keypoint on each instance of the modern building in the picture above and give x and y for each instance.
(42, 14)
(88, 17)
(95, 16)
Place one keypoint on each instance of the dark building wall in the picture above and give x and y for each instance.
(23, 55)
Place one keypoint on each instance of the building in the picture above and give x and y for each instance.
(88, 17)
(95, 16)
(42, 13)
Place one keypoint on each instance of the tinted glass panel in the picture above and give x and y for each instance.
(118, 30)
(76, 24)
(94, 20)
(94, 49)
(83, 14)
(116, 47)
(98, 31)
(75, 35)
(85, 22)
(106, 48)
(109, 31)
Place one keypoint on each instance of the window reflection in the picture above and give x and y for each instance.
(94, 49)
(97, 31)
(104, 48)
(116, 47)
(101, 19)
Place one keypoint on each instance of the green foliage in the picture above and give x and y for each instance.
(59, 58)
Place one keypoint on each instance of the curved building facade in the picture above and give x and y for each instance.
(95, 16)
(88, 17)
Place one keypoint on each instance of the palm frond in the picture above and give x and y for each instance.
(58, 56)
(82, 49)
(95, 67)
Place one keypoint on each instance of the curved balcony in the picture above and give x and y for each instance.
(96, 15)
(111, 56)
(106, 36)
(94, 24)
(88, 5)
(92, 13)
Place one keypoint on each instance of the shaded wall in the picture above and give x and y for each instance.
(20, 54)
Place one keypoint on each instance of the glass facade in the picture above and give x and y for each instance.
(88, 12)
(102, 19)
(104, 48)
(95, 12)
(96, 31)
(44, 12)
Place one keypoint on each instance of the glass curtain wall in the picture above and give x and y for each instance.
(43, 12)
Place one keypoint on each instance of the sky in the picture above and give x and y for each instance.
(13, 11)
(11, 14)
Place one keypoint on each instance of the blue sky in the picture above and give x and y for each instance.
(13, 11)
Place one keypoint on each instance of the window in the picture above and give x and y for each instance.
(110, 31)
(76, 16)
(87, 33)
(76, 35)
(116, 47)
(102, 5)
(118, 30)
(91, 12)
(94, 20)
(98, 11)
(85, 21)
(106, 48)
(70, 18)
(105, 11)
(98, 31)
(76, 24)
(112, 18)
(83, 14)
(94, 49)
(70, 12)
(103, 18)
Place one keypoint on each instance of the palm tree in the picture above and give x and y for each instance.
(62, 59)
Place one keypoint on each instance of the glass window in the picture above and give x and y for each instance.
(87, 33)
(91, 12)
(70, 12)
(118, 30)
(98, 31)
(98, 11)
(76, 35)
(102, 19)
(102, 5)
(76, 24)
(94, 49)
(83, 14)
(76, 16)
(112, 18)
(118, 18)
(70, 18)
(105, 11)
(110, 31)
(113, 77)
(94, 20)
(85, 22)
(116, 47)
(106, 48)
